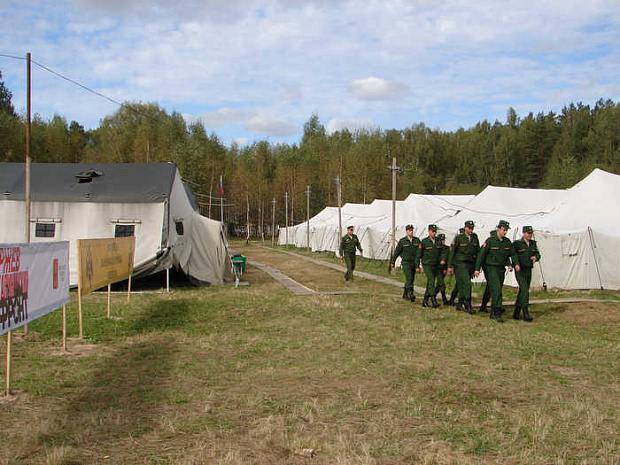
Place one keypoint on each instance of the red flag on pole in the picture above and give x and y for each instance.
(221, 187)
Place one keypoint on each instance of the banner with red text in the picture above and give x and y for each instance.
(34, 280)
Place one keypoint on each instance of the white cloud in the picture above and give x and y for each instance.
(224, 116)
(373, 88)
(352, 124)
(268, 126)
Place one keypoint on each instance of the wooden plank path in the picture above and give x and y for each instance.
(292, 285)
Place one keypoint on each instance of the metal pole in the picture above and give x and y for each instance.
(308, 219)
(286, 219)
(393, 243)
(339, 208)
(273, 220)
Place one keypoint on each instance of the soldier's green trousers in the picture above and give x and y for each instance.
(349, 259)
(524, 278)
(409, 270)
(495, 280)
(440, 284)
(463, 272)
(487, 291)
(431, 273)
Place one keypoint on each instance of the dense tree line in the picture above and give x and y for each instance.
(544, 150)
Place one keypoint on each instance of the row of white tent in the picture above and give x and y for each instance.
(577, 229)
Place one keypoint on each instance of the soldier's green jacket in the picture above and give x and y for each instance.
(408, 250)
(464, 248)
(348, 244)
(445, 251)
(524, 253)
(431, 252)
(496, 252)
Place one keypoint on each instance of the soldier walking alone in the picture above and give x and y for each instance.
(348, 244)
(408, 249)
(527, 254)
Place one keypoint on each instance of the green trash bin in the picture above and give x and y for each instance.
(239, 264)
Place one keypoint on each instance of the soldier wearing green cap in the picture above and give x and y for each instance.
(348, 244)
(455, 292)
(408, 248)
(462, 261)
(430, 256)
(487, 291)
(440, 286)
(497, 253)
(527, 254)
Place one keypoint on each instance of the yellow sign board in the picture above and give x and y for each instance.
(104, 261)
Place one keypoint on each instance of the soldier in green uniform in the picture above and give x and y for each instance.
(455, 292)
(408, 248)
(487, 291)
(348, 244)
(430, 256)
(527, 254)
(497, 252)
(443, 269)
(462, 261)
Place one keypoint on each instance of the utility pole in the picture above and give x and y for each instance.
(273, 220)
(308, 219)
(338, 182)
(286, 217)
(28, 137)
(394, 169)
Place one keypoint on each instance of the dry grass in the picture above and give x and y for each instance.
(255, 375)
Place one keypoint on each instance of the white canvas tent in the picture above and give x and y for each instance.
(577, 229)
(373, 222)
(103, 200)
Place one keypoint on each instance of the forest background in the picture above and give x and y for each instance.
(534, 151)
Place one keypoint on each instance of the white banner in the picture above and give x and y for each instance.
(34, 280)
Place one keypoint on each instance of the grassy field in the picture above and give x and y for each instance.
(220, 375)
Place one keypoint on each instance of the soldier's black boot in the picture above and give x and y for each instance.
(459, 304)
(468, 308)
(411, 295)
(406, 294)
(425, 302)
(526, 314)
(452, 297)
(434, 301)
(443, 298)
(496, 314)
(517, 313)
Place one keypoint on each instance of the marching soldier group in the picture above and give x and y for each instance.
(466, 259)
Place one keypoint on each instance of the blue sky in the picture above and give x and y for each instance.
(254, 70)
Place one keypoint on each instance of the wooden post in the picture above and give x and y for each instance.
(109, 294)
(7, 391)
(129, 285)
(80, 271)
(273, 220)
(308, 219)
(64, 329)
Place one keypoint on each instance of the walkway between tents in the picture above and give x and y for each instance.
(384, 280)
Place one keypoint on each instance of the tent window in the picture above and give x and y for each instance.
(45, 230)
(179, 227)
(124, 230)
(570, 245)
